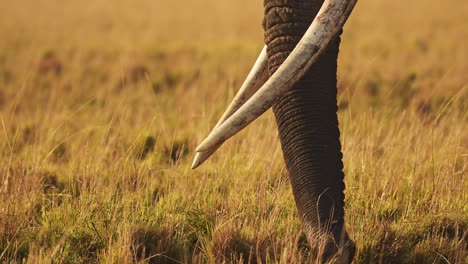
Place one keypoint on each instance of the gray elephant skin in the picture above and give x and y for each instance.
(297, 76)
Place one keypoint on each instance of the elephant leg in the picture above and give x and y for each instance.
(308, 128)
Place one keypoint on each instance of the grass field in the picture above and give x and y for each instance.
(102, 104)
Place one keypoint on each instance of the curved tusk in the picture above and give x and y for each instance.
(256, 78)
(326, 25)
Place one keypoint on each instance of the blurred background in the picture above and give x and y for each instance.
(103, 102)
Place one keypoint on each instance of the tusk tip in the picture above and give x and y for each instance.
(198, 160)
(203, 155)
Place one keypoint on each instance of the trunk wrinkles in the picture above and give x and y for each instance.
(308, 123)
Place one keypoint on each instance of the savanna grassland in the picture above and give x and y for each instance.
(102, 104)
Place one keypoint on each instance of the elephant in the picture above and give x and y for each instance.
(296, 75)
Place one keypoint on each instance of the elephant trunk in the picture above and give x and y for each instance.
(308, 125)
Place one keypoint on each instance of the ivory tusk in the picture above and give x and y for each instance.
(326, 25)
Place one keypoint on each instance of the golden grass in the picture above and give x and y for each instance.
(103, 103)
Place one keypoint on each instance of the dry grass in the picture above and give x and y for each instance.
(102, 104)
